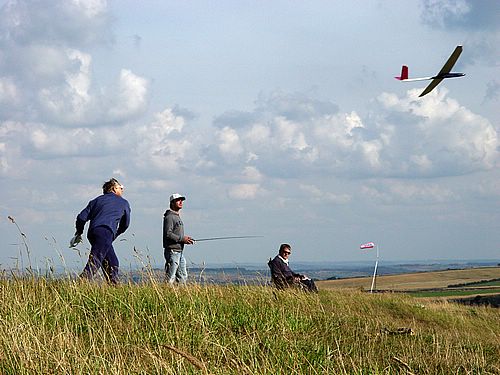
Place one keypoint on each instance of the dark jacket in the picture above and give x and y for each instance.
(173, 231)
(107, 210)
(281, 274)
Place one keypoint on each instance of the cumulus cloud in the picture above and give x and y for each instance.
(59, 21)
(10, 97)
(314, 193)
(13, 161)
(47, 74)
(464, 14)
(479, 19)
(251, 174)
(129, 99)
(442, 139)
(68, 99)
(39, 141)
(408, 192)
(163, 144)
(243, 191)
(8, 91)
(229, 143)
(294, 106)
(404, 137)
(441, 13)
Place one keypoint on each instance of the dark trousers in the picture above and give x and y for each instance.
(309, 285)
(102, 255)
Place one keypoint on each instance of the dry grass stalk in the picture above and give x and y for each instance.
(405, 365)
(193, 360)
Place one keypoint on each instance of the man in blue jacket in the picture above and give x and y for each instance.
(109, 216)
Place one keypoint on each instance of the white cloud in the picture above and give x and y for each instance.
(69, 101)
(420, 193)
(48, 72)
(251, 174)
(8, 91)
(461, 14)
(4, 163)
(370, 151)
(437, 12)
(13, 162)
(289, 135)
(405, 137)
(229, 143)
(338, 129)
(67, 22)
(258, 133)
(26, 141)
(447, 137)
(73, 142)
(314, 193)
(72, 103)
(162, 144)
(130, 97)
(243, 191)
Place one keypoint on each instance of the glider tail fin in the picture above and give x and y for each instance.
(404, 73)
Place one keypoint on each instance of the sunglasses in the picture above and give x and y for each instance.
(287, 252)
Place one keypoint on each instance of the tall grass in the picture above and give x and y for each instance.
(65, 326)
(59, 325)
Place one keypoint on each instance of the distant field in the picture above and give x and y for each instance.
(419, 281)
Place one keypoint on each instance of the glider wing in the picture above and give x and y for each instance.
(451, 61)
(445, 70)
(434, 83)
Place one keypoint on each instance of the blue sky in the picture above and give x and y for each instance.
(274, 118)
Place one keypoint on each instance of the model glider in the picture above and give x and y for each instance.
(445, 72)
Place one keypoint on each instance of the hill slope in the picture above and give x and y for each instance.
(51, 326)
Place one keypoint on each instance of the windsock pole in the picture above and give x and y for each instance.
(374, 272)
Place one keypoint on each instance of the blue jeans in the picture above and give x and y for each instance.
(175, 266)
(102, 254)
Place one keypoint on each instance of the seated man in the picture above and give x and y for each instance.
(283, 277)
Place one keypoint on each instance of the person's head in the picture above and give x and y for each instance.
(176, 201)
(285, 250)
(112, 186)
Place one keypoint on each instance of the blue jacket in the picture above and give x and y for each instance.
(108, 210)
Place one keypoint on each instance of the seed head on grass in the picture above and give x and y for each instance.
(24, 239)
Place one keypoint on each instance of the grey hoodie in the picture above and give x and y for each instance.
(173, 231)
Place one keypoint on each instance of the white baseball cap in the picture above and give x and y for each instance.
(176, 196)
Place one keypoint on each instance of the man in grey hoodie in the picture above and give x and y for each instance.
(174, 241)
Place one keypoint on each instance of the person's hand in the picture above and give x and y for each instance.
(77, 238)
(188, 240)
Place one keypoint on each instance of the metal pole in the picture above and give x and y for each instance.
(374, 273)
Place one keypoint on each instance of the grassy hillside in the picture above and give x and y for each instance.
(417, 281)
(49, 326)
